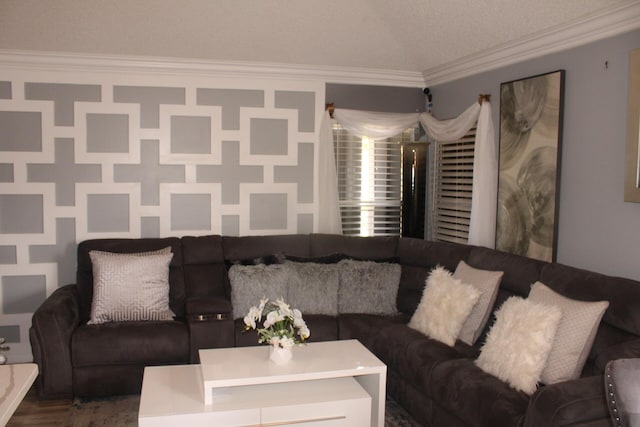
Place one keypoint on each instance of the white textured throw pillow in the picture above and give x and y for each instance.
(519, 342)
(130, 287)
(445, 305)
(575, 335)
(487, 282)
(251, 283)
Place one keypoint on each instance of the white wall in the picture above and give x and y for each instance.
(597, 230)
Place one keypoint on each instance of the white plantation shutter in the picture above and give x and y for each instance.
(452, 189)
(369, 182)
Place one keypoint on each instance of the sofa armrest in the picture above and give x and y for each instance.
(569, 403)
(625, 350)
(210, 324)
(52, 326)
(207, 308)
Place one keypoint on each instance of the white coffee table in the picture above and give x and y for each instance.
(172, 396)
(242, 366)
(15, 381)
(332, 383)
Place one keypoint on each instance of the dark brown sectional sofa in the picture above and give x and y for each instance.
(437, 384)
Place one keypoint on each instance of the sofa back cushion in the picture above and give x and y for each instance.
(238, 249)
(519, 272)
(204, 269)
(621, 321)
(378, 248)
(418, 257)
(84, 273)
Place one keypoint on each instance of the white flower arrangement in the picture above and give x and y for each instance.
(282, 327)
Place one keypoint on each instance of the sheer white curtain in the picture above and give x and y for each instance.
(329, 219)
(385, 125)
(374, 125)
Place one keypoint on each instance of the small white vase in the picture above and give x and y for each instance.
(279, 355)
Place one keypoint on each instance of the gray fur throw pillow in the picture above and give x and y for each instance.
(250, 283)
(313, 288)
(368, 287)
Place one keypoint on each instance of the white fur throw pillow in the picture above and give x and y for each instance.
(519, 342)
(575, 335)
(487, 282)
(445, 305)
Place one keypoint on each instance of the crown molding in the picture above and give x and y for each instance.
(69, 62)
(614, 21)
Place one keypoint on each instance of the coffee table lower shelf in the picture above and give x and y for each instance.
(172, 395)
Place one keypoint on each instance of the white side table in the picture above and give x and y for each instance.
(15, 381)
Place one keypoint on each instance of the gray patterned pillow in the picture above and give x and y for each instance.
(313, 288)
(487, 282)
(130, 287)
(368, 287)
(575, 336)
(250, 283)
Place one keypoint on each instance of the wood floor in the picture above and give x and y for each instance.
(33, 412)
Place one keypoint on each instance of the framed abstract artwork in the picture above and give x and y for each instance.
(531, 111)
(632, 167)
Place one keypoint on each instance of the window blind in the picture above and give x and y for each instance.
(369, 182)
(452, 189)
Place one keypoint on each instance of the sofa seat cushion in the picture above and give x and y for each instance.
(413, 355)
(322, 327)
(122, 343)
(580, 402)
(477, 398)
(365, 327)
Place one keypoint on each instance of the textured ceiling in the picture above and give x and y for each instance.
(406, 35)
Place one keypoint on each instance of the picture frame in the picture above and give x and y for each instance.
(632, 159)
(531, 119)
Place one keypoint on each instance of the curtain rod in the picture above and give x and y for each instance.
(484, 97)
(330, 108)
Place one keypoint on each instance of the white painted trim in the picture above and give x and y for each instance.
(614, 21)
(62, 61)
(597, 26)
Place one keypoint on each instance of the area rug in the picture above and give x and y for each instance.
(122, 411)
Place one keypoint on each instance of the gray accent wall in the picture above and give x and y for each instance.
(597, 230)
(86, 155)
(376, 98)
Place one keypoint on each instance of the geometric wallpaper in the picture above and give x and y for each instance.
(89, 155)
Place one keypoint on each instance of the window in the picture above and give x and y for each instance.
(452, 189)
(369, 182)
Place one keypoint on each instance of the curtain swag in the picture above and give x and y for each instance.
(378, 126)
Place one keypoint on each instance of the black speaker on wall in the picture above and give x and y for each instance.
(414, 186)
